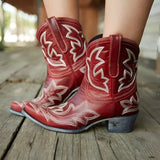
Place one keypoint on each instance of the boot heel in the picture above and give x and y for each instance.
(121, 124)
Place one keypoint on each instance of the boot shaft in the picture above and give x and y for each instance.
(63, 43)
(64, 49)
(111, 65)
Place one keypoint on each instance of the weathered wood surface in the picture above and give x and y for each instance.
(21, 139)
(10, 63)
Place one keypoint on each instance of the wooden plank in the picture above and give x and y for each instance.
(10, 123)
(34, 72)
(26, 140)
(14, 62)
(104, 142)
(150, 102)
(149, 92)
(158, 61)
(9, 68)
(6, 54)
(134, 145)
(147, 77)
(139, 144)
(77, 146)
(39, 143)
(64, 149)
(63, 146)
(33, 142)
(89, 147)
(142, 143)
(68, 144)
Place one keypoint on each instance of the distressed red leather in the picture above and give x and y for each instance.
(64, 49)
(108, 89)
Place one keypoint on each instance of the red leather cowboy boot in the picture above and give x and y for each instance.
(64, 48)
(108, 92)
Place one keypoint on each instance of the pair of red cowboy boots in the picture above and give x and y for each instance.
(105, 70)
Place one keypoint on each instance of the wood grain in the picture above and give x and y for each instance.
(21, 139)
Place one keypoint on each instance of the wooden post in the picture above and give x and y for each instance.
(17, 24)
(158, 58)
(41, 13)
(2, 21)
(39, 3)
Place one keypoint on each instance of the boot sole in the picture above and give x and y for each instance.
(69, 96)
(16, 112)
(116, 125)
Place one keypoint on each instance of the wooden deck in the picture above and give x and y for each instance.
(22, 73)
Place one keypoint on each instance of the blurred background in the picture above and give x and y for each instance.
(19, 20)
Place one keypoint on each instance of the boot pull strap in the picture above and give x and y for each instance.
(114, 55)
(55, 30)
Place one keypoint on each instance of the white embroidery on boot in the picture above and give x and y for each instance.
(51, 51)
(20, 104)
(83, 117)
(48, 96)
(130, 105)
(83, 69)
(100, 71)
(127, 72)
(53, 87)
(75, 43)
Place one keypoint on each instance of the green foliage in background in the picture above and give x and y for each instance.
(22, 23)
(7, 17)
